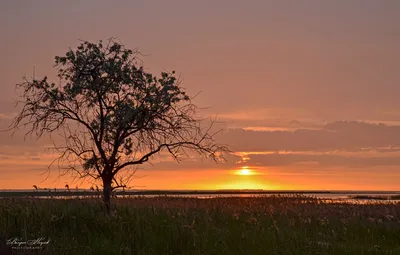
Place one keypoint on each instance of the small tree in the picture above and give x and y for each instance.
(112, 114)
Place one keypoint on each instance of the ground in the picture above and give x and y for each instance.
(166, 225)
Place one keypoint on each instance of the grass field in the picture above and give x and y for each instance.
(163, 225)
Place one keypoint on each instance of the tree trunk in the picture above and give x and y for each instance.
(107, 194)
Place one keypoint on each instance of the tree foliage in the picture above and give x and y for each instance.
(112, 113)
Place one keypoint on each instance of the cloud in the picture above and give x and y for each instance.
(5, 116)
(340, 143)
(270, 119)
(340, 135)
(196, 163)
(320, 160)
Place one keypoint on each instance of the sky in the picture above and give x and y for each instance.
(306, 91)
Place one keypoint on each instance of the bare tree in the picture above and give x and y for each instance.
(112, 114)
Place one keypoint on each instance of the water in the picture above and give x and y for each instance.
(328, 196)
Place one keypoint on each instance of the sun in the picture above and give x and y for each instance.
(244, 171)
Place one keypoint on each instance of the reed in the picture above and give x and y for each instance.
(166, 225)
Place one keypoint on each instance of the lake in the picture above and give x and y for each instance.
(328, 196)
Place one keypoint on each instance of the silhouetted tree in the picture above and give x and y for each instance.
(112, 113)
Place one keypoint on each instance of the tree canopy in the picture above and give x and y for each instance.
(112, 113)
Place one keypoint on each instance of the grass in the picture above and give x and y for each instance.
(165, 225)
(391, 197)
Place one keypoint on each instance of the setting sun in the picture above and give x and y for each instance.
(244, 171)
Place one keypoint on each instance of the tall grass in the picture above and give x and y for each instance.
(164, 225)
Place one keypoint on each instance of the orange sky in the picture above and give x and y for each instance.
(299, 87)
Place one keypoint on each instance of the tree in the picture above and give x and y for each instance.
(112, 114)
